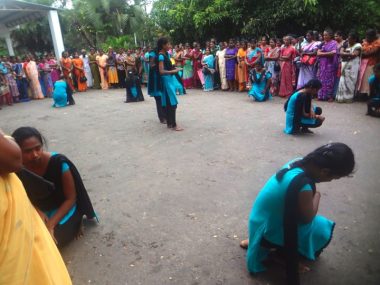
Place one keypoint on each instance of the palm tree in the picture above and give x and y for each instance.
(95, 21)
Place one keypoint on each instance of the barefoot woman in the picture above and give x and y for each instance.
(169, 84)
(63, 207)
(284, 216)
(301, 114)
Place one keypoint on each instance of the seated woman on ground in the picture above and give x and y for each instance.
(61, 208)
(300, 112)
(284, 221)
(374, 93)
(28, 254)
(260, 80)
(133, 87)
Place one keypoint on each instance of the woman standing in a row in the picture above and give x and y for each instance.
(230, 57)
(31, 72)
(271, 64)
(242, 71)
(287, 80)
(308, 60)
(78, 66)
(221, 65)
(67, 68)
(350, 55)
(328, 66)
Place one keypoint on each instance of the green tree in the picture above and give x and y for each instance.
(187, 20)
(88, 23)
(91, 23)
(34, 36)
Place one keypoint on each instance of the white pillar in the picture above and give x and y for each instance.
(8, 40)
(56, 34)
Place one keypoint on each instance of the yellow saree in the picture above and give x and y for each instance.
(28, 254)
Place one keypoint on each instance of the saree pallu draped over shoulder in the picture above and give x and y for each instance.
(307, 71)
(79, 72)
(287, 78)
(349, 77)
(327, 72)
(32, 73)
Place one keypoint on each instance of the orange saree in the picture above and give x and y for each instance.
(79, 73)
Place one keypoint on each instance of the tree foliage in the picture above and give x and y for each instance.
(89, 23)
(114, 22)
(188, 20)
(34, 36)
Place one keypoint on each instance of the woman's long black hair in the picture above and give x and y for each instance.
(337, 157)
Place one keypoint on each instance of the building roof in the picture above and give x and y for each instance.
(15, 12)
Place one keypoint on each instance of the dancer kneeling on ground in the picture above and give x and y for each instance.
(260, 80)
(28, 254)
(284, 220)
(374, 93)
(168, 83)
(59, 93)
(133, 87)
(62, 93)
(153, 85)
(300, 112)
(61, 207)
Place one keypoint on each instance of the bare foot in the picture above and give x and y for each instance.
(177, 129)
(244, 244)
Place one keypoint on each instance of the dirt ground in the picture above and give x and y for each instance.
(174, 206)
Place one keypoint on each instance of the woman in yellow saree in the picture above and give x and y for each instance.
(28, 254)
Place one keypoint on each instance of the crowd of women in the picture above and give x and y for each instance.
(42, 77)
(269, 67)
(343, 65)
